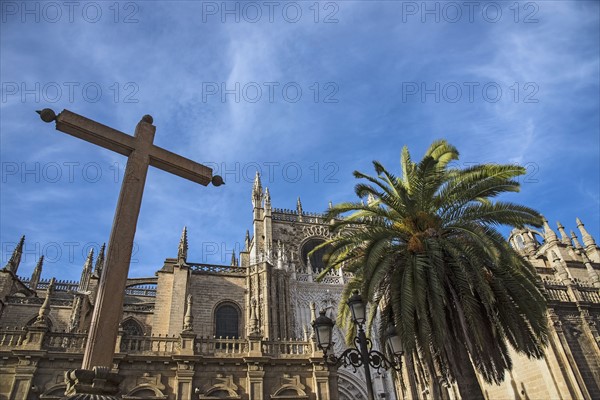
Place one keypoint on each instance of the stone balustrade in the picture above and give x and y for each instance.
(141, 290)
(333, 277)
(557, 293)
(590, 295)
(11, 337)
(221, 347)
(286, 348)
(67, 342)
(200, 268)
(157, 345)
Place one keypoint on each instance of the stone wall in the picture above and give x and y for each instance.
(184, 367)
(211, 290)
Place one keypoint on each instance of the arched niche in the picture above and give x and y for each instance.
(289, 392)
(54, 392)
(220, 391)
(145, 391)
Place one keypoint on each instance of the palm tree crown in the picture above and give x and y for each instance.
(425, 251)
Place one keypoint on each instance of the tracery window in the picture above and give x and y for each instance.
(132, 328)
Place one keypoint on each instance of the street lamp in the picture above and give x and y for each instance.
(323, 329)
(394, 343)
(362, 354)
(357, 308)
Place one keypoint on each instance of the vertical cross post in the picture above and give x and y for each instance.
(111, 289)
(141, 153)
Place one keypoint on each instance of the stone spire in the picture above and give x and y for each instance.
(593, 274)
(254, 323)
(279, 258)
(188, 321)
(233, 259)
(183, 247)
(37, 273)
(575, 241)
(561, 271)
(299, 209)
(257, 193)
(267, 199)
(99, 262)
(563, 235)
(313, 317)
(309, 267)
(15, 259)
(549, 235)
(330, 205)
(42, 318)
(588, 240)
(247, 241)
(86, 272)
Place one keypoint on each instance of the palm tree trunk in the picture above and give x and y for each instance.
(466, 378)
(435, 389)
(413, 385)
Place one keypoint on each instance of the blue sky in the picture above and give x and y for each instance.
(323, 88)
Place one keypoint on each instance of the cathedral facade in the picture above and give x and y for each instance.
(570, 271)
(194, 330)
(243, 331)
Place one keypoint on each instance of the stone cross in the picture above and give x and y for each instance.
(141, 153)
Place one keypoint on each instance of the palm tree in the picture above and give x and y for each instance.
(426, 253)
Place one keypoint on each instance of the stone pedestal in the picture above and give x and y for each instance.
(22, 386)
(187, 343)
(256, 375)
(255, 345)
(97, 384)
(34, 339)
(321, 381)
(185, 377)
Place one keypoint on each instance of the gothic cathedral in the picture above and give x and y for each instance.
(243, 331)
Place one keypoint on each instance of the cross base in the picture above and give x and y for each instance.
(97, 384)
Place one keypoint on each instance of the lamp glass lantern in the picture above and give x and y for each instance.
(323, 327)
(393, 341)
(357, 307)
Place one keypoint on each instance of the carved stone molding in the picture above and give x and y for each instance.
(222, 386)
(316, 230)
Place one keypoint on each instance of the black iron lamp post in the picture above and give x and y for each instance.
(362, 354)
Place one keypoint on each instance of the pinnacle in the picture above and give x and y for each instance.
(183, 245)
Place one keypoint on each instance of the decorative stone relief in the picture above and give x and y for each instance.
(316, 230)
(289, 385)
(349, 389)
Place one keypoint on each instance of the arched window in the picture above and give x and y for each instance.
(227, 320)
(132, 328)
(318, 259)
(520, 241)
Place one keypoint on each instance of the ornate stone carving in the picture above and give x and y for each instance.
(219, 386)
(316, 230)
(98, 383)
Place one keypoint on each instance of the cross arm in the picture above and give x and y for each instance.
(119, 142)
(95, 132)
(180, 166)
